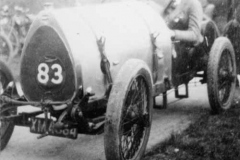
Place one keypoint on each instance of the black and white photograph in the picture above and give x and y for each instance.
(119, 79)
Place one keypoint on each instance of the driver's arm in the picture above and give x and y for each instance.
(195, 16)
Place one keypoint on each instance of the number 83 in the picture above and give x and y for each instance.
(43, 76)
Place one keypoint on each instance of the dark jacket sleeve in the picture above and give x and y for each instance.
(193, 34)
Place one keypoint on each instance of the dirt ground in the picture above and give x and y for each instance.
(180, 113)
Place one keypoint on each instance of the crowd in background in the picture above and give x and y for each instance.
(16, 17)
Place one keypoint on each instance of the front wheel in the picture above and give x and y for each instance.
(221, 75)
(6, 126)
(129, 115)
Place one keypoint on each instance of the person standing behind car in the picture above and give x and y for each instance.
(184, 18)
(233, 10)
(236, 5)
(5, 15)
(208, 8)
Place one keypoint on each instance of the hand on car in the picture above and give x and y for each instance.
(172, 34)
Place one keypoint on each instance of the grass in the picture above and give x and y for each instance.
(212, 137)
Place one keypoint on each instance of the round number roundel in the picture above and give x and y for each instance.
(44, 75)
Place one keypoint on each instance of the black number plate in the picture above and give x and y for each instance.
(39, 126)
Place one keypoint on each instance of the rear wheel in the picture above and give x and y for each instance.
(221, 75)
(6, 126)
(210, 33)
(129, 114)
(232, 32)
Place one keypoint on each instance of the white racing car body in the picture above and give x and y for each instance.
(69, 39)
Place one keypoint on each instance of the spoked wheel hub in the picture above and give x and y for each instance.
(221, 75)
(226, 76)
(133, 121)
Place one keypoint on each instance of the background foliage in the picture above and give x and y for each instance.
(36, 5)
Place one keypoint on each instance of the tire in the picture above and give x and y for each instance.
(221, 75)
(6, 127)
(232, 32)
(5, 48)
(210, 32)
(134, 83)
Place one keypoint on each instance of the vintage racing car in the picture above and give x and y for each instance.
(103, 65)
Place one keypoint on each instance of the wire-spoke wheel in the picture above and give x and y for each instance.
(128, 118)
(221, 75)
(6, 126)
